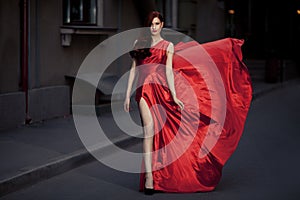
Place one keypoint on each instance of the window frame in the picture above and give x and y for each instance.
(88, 13)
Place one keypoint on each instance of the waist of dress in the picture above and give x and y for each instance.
(151, 68)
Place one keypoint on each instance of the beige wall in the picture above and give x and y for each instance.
(55, 61)
(203, 19)
(9, 46)
(50, 62)
(210, 20)
(128, 19)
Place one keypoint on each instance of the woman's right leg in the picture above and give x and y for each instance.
(148, 141)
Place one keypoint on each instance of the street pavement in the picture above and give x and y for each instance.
(48, 161)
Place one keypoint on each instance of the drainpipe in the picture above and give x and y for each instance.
(25, 56)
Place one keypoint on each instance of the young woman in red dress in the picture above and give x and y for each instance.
(191, 127)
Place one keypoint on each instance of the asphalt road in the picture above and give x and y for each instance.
(265, 165)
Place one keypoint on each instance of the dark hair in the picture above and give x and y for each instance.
(151, 16)
(142, 46)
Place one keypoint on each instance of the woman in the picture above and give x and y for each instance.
(186, 143)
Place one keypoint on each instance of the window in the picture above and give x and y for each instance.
(80, 12)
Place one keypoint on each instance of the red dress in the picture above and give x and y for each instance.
(191, 146)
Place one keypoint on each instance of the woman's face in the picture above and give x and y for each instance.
(156, 26)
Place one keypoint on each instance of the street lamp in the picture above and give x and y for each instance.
(231, 11)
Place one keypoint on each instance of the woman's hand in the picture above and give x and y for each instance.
(178, 102)
(127, 104)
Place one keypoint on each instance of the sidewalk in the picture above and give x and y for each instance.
(42, 150)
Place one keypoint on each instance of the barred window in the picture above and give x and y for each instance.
(80, 12)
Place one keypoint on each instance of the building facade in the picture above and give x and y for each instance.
(44, 42)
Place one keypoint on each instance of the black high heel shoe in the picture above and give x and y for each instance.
(148, 191)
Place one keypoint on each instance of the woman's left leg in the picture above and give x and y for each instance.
(148, 141)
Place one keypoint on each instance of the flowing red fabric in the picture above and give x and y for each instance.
(191, 146)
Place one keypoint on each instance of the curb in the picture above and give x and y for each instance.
(273, 87)
(261, 93)
(59, 165)
(76, 159)
(53, 168)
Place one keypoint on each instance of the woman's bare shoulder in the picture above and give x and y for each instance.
(170, 47)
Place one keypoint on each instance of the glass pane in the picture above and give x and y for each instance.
(66, 12)
(93, 12)
(80, 12)
(76, 10)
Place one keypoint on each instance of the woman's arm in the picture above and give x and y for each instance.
(170, 75)
(129, 86)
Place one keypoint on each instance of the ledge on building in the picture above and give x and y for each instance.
(105, 90)
(68, 30)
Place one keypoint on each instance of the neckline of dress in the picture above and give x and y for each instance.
(157, 43)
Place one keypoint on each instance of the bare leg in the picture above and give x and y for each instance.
(148, 141)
